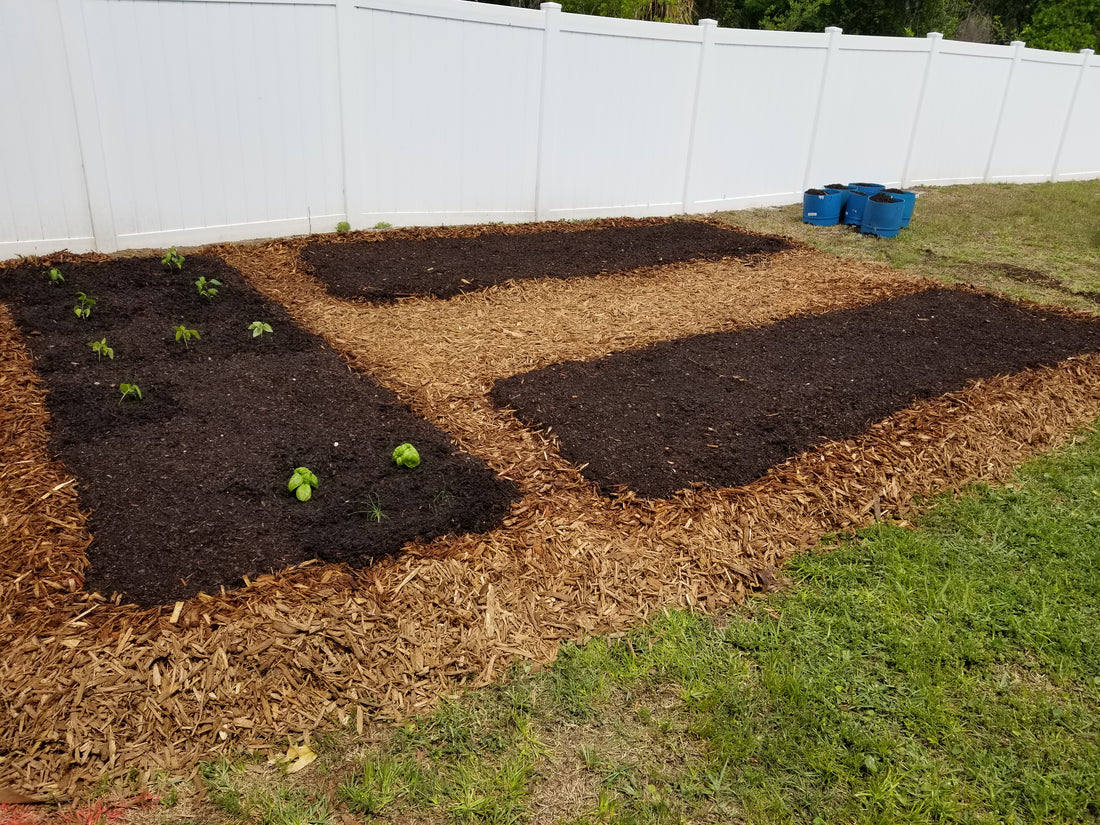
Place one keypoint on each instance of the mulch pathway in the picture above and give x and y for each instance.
(385, 267)
(89, 687)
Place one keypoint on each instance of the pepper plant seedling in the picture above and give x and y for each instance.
(184, 334)
(83, 306)
(406, 456)
(56, 278)
(100, 348)
(207, 289)
(259, 328)
(302, 483)
(128, 391)
(172, 258)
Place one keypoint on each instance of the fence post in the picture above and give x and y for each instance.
(708, 29)
(351, 148)
(551, 27)
(82, 87)
(1086, 55)
(1018, 46)
(934, 40)
(834, 42)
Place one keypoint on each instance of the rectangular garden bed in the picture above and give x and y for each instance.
(720, 409)
(186, 475)
(400, 265)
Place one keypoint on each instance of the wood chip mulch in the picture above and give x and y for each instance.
(89, 688)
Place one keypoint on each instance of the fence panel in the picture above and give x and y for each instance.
(449, 115)
(220, 121)
(1079, 158)
(42, 194)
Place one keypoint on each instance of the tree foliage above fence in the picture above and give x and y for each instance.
(1062, 25)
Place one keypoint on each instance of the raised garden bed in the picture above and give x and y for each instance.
(386, 269)
(720, 409)
(187, 485)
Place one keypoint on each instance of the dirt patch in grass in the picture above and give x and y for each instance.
(388, 267)
(720, 409)
(90, 689)
(187, 485)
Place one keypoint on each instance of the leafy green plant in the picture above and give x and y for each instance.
(383, 225)
(56, 278)
(406, 456)
(83, 306)
(259, 328)
(129, 391)
(207, 289)
(302, 483)
(343, 227)
(184, 334)
(172, 258)
(100, 348)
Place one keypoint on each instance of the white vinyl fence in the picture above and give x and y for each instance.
(147, 123)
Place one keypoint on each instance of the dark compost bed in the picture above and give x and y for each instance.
(387, 269)
(187, 487)
(720, 409)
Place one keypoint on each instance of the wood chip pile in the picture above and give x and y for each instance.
(89, 687)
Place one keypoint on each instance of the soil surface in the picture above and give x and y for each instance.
(720, 409)
(187, 487)
(385, 270)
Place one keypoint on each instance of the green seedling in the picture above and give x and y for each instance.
(184, 334)
(207, 289)
(172, 258)
(406, 456)
(373, 509)
(83, 306)
(129, 391)
(56, 278)
(302, 483)
(100, 348)
(343, 228)
(259, 328)
(383, 225)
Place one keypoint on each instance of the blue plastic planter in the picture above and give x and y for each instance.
(853, 212)
(866, 188)
(882, 216)
(908, 198)
(821, 208)
(842, 189)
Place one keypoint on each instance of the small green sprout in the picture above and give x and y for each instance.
(343, 228)
(383, 225)
(56, 278)
(184, 334)
(83, 306)
(128, 391)
(100, 348)
(259, 328)
(374, 509)
(172, 258)
(302, 483)
(406, 456)
(207, 289)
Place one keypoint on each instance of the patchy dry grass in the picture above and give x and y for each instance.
(997, 236)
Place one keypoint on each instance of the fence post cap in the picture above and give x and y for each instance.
(833, 30)
(935, 35)
(550, 6)
(708, 22)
